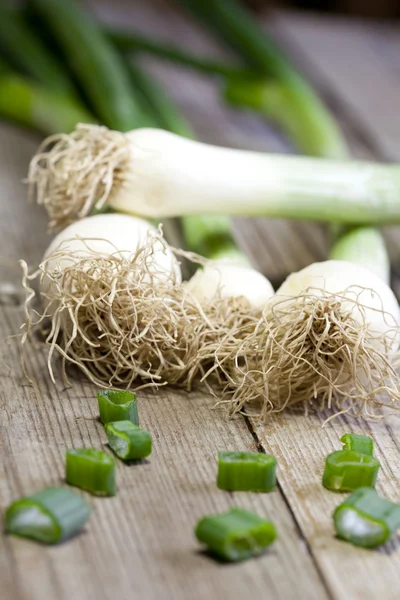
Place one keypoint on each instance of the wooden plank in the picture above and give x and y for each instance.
(340, 57)
(141, 541)
(301, 445)
(332, 53)
(289, 437)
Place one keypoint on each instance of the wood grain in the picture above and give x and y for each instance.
(141, 542)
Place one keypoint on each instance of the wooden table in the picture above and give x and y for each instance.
(141, 543)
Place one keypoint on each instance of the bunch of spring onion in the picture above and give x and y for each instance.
(110, 285)
(330, 332)
(154, 166)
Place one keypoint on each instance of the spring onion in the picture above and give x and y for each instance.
(347, 470)
(327, 338)
(127, 40)
(150, 172)
(246, 471)
(117, 405)
(128, 441)
(235, 535)
(365, 519)
(49, 516)
(91, 470)
(25, 51)
(93, 60)
(358, 443)
(27, 103)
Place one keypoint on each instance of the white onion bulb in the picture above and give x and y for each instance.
(380, 310)
(230, 281)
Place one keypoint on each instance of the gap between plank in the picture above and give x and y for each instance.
(310, 551)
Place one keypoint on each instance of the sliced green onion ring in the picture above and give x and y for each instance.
(118, 405)
(365, 519)
(49, 516)
(128, 441)
(346, 470)
(91, 470)
(359, 443)
(235, 535)
(246, 471)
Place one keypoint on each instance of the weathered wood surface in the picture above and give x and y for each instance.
(141, 542)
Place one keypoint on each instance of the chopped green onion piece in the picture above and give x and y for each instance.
(346, 470)
(236, 534)
(50, 516)
(118, 405)
(91, 470)
(246, 471)
(365, 519)
(359, 443)
(128, 441)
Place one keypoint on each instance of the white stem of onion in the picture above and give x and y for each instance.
(154, 173)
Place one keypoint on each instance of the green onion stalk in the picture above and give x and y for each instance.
(128, 441)
(281, 94)
(348, 470)
(128, 41)
(27, 103)
(50, 516)
(91, 470)
(235, 535)
(246, 471)
(365, 519)
(25, 51)
(358, 443)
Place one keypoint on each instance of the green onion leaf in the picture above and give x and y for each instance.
(91, 470)
(117, 405)
(235, 535)
(50, 516)
(365, 519)
(246, 471)
(128, 441)
(346, 470)
(359, 443)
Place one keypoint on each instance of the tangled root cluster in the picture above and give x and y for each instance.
(71, 174)
(126, 325)
(311, 352)
(122, 323)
